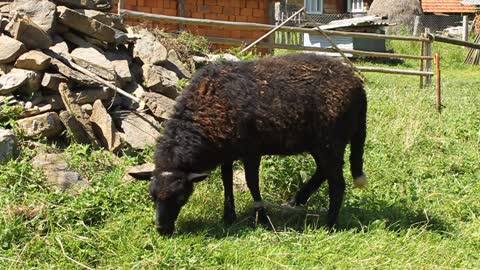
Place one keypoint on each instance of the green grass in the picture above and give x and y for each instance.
(421, 210)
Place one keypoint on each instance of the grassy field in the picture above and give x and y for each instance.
(421, 210)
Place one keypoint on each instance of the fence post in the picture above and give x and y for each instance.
(422, 53)
(428, 52)
(438, 83)
(465, 28)
(416, 24)
(121, 5)
(181, 13)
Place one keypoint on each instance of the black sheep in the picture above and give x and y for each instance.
(274, 106)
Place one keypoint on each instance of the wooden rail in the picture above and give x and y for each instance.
(454, 41)
(396, 71)
(231, 41)
(258, 26)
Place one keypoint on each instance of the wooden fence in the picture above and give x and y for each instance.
(425, 56)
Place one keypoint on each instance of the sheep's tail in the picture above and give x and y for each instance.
(358, 142)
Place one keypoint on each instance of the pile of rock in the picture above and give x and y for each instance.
(57, 59)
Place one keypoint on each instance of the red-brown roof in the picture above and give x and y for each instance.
(446, 6)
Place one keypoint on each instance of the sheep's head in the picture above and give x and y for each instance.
(170, 190)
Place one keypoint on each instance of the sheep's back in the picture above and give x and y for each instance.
(280, 100)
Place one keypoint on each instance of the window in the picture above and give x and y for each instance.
(314, 6)
(355, 6)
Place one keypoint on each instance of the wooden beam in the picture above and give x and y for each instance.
(231, 41)
(181, 12)
(259, 26)
(395, 71)
(454, 41)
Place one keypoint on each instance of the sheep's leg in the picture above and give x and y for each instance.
(229, 215)
(308, 188)
(252, 165)
(336, 187)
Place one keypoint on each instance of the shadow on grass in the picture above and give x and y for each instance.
(391, 217)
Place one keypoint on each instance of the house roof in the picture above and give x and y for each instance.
(446, 6)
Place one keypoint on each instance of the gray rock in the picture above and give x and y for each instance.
(161, 106)
(149, 49)
(94, 61)
(85, 25)
(103, 5)
(51, 81)
(121, 65)
(44, 125)
(33, 60)
(58, 174)
(104, 128)
(109, 19)
(140, 130)
(8, 145)
(60, 47)
(90, 95)
(26, 31)
(80, 42)
(161, 80)
(10, 49)
(135, 89)
(71, 74)
(42, 13)
(74, 127)
(174, 64)
(25, 81)
(5, 68)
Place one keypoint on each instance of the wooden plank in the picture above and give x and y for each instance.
(259, 26)
(454, 41)
(395, 71)
(230, 41)
(428, 52)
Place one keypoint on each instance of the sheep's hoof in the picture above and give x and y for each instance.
(360, 182)
(261, 217)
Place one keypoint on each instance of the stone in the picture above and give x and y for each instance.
(102, 46)
(76, 111)
(109, 19)
(94, 61)
(85, 25)
(51, 81)
(26, 31)
(121, 65)
(6, 7)
(80, 42)
(60, 47)
(8, 145)
(42, 13)
(239, 181)
(149, 49)
(76, 76)
(135, 89)
(25, 81)
(33, 60)
(5, 68)
(174, 64)
(161, 106)
(140, 172)
(58, 173)
(140, 130)
(10, 49)
(104, 128)
(87, 108)
(161, 80)
(90, 95)
(44, 125)
(74, 127)
(102, 5)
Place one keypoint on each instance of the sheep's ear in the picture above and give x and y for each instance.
(196, 177)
